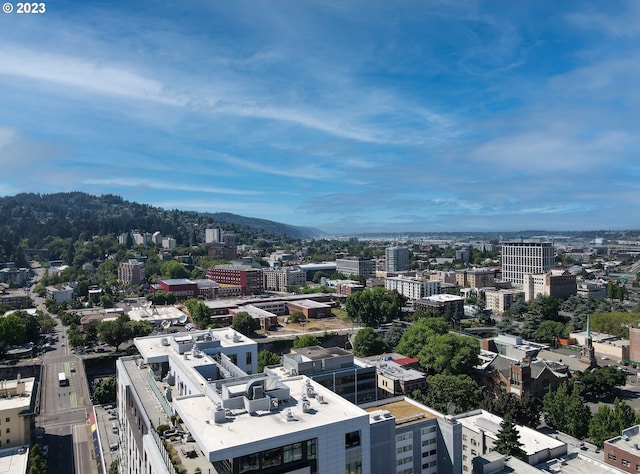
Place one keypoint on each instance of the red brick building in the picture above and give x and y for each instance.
(622, 451)
(250, 279)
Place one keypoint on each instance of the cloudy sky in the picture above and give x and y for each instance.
(347, 116)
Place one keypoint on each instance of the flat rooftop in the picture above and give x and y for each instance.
(532, 440)
(14, 460)
(405, 411)
(237, 434)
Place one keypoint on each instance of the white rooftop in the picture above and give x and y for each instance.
(157, 314)
(14, 460)
(532, 440)
(240, 430)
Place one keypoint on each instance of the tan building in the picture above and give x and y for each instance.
(17, 418)
(283, 279)
(556, 283)
(475, 278)
(131, 272)
(500, 301)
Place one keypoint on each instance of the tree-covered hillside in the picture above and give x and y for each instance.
(33, 220)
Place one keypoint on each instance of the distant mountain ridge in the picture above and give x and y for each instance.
(272, 227)
(40, 217)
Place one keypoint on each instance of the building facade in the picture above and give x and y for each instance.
(356, 266)
(250, 279)
(283, 279)
(500, 301)
(444, 303)
(526, 258)
(413, 288)
(131, 272)
(17, 415)
(559, 284)
(235, 422)
(397, 259)
(475, 278)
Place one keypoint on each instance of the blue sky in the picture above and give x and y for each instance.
(347, 116)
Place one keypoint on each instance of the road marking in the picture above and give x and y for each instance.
(73, 399)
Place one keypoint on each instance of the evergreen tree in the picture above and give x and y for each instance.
(508, 442)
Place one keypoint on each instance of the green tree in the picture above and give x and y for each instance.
(296, 317)
(199, 312)
(523, 410)
(266, 358)
(508, 440)
(13, 329)
(115, 332)
(450, 354)
(306, 340)
(450, 394)
(374, 306)
(565, 411)
(173, 269)
(419, 335)
(392, 337)
(245, 324)
(37, 464)
(600, 381)
(367, 342)
(104, 390)
(549, 331)
(106, 301)
(113, 467)
(608, 422)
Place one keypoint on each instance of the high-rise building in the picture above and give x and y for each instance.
(397, 259)
(557, 283)
(526, 258)
(131, 272)
(213, 236)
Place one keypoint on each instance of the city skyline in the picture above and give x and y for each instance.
(346, 117)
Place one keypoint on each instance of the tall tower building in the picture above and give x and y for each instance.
(526, 258)
(213, 236)
(397, 259)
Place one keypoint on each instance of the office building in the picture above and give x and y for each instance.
(397, 259)
(448, 305)
(356, 266)
(526, 258)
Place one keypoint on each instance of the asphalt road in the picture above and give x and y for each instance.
(64, 411)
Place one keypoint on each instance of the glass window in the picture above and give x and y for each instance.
(311, 449)
(292, 452)
(249, 463)
(352, 439)
(271, 458)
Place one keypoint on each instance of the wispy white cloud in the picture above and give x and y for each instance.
(145, 183)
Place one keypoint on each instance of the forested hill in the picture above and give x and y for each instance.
(37, 218)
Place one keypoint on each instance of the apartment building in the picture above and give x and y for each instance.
(397, 259)
(17, 415)
(622, 451)
(526, 258)
(500, 301)
(131, 272)
(232, 422)
(480, 431)
(444, 303)
(413, 288)
(283, 279)
(335, 369)
(475, 278)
